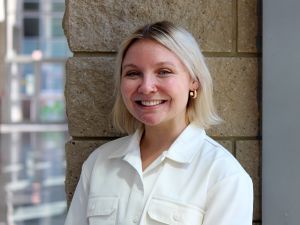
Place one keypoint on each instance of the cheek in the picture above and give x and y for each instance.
(179, 87)
(180, 91)
(126, 89)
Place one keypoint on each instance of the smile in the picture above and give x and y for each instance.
(150, 102)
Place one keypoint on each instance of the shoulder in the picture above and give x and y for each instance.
(215, 150)
(221, 163)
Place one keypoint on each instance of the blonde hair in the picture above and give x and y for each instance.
(175, 38)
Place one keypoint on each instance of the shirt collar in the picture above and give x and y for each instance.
(129, 150)
(183, 149)
(131, 145)
(187, 144)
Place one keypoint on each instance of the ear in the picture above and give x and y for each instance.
(194, 85)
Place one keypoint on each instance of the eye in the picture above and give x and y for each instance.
(164, 72)
(132, 74)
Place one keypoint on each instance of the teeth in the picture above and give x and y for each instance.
(151, 102)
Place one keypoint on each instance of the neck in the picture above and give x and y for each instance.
(157, 139)
(162, 136)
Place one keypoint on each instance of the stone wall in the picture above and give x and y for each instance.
(229, 33)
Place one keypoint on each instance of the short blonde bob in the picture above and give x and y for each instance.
(175, 38)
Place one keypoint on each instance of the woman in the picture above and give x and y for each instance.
(167, 171)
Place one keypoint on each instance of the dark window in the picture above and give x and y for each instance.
(31, 6)
(26, 105)
(31, 27)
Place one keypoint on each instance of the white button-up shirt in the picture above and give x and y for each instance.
(196, 181)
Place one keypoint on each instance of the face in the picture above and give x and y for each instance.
(155, 84)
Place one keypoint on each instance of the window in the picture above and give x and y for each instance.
(31, 6)
(31, 27)
(36, 68)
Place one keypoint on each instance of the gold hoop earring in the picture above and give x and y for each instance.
(193, 94)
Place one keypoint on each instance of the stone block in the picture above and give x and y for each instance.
(100, 26)
(249, 34)
(89, 96)
(236, 95)
(76, 153)
(249, 155)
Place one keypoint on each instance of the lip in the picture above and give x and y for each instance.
(150, 103)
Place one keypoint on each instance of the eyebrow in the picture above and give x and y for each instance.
(128, 65)
(157, 64)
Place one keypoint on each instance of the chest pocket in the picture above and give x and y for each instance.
(102, 210)
(172, 213)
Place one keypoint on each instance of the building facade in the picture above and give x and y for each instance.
(35, 54)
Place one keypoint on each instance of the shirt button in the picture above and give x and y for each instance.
(176, 217)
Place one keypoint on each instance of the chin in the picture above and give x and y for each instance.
(151, 122)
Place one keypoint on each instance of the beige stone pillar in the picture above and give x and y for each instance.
(228, 32)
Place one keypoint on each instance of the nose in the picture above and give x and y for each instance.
(147, 85)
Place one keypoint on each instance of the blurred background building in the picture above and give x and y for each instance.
(33, 121)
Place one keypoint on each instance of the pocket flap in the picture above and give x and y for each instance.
(170, 212)
(101, 206)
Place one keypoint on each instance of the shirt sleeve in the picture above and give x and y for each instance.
(230, 201)
(78, 208)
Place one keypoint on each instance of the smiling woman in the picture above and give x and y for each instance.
(181, 46)
(167, 170)
(155, 85)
